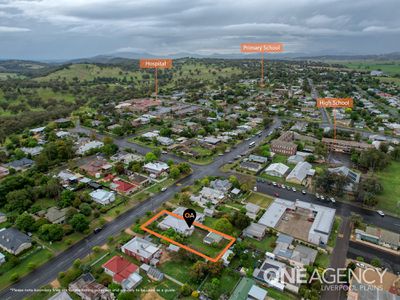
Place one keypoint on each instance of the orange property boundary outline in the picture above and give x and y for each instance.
(212, 259)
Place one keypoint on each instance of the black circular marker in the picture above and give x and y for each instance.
(189, 215)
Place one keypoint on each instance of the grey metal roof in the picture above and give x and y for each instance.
(11, 238)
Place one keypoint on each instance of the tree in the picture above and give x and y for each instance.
(79, 222)
(174, 172)
(18, 201)
(376, 262)
(373, 159)
(234, 181)
(119, 168)
(240, 220)
(51, 232)
(85, 209)
(186, 290)
(184, 168)
(198, 271)
(25, 222)
(321, 149)
(66, 198)
(150, 157)
(224, 225)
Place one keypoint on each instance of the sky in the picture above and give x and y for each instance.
(67, 29)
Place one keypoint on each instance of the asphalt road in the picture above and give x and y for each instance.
(50, 270)
(338, 259)
(342, 209)
(388, 260)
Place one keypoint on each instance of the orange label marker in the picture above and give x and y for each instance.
(155, 63)
(261, 48)
(335, 103)
(212, 259)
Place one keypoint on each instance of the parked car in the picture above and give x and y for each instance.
(276, 194)
(274, 183)
(303, 192)
(317, 195)
(255, 189)
(294, 189)
(381, 213)
(283, 186)
(332, 200)
(97, 230)
(164, 189)
(322, 198)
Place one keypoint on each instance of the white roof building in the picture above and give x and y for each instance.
(102, 197)
(89, 146)
(300, 172)
(32, 151)
(276, 169)
(156, 167)
(322, 223)
(165, 141)
(141, 249)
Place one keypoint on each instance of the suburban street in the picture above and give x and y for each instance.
(49, 271)
(342, 209)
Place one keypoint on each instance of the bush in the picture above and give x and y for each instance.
(14, 277)
(186, 290)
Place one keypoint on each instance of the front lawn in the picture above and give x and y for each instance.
(29, 261)
(266, 244)
(334, 232)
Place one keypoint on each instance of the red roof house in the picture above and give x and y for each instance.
(123, 187)
(119, 268)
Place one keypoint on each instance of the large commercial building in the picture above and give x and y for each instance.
(345, 146)
(300, 214)
(284, 144)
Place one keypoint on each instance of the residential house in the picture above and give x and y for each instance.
(255, 231)
(32, 151)
(62, 295)
(212, 238)
(20, 164)
(246, 289)
(298, 256)
(14, 241)
(176, 224)
(208, 195)
(251, 166)
(156, 168)
(380, 237)
(126, 157)
(152, 272)
(123, 187)
(252, 210)
(102, 197)
(3, 172)
(258, 159)
(276, 169)
(88, 289)
(222, 185)
(353, 177)
(300, 172)
(143, 250)
(123, 272)
(3, 217)
(85, 147)
(56, 215)
(96, 167)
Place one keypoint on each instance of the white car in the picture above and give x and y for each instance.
(332, 200)
(283, 186)
(274, 183)
(381, 213)
(322, 198)
(317, 195)
(163, 189)
(293, 189)
(255, 189)
(303, 192)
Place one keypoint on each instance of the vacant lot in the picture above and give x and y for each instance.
(390, 180)
(260, 199)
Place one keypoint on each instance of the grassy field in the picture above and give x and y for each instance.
(260, 199)
(390, 67)
(390, 79)
(266, 244)
(390, 180)
(90, 72)
(335, 231)
(322, 260)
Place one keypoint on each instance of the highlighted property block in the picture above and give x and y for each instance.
(231, 239)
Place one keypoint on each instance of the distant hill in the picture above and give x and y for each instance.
(26, 67)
